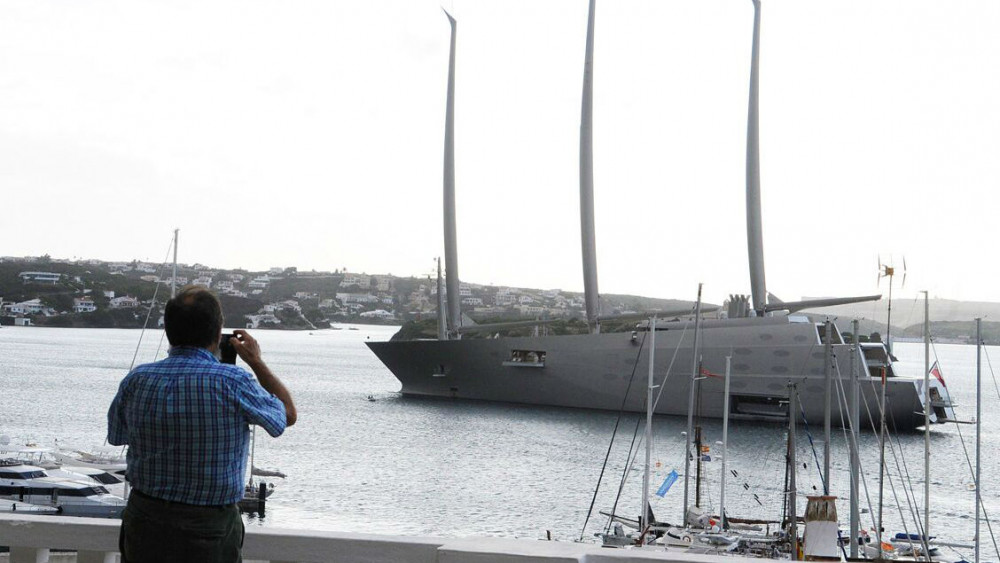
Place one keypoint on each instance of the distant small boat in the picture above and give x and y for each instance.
(255, 497)
(266, 472)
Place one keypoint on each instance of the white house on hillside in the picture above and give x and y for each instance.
(30, 307)
(378, 314)
(124, 302)
(39, 277)
(84, 305)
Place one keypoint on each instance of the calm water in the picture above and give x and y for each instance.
(451, 468)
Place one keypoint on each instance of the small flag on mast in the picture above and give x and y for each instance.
(936, 372)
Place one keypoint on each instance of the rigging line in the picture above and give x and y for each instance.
(842, 395)
(614, 433)
(899, 473)
(670, 367)
(908, 489)
(994, 377)
(913, 305)
(857, 432)
(871, 420)
(911, 502)
(812, 444)
(159, 346)
(150, 311)
(982, 504)
(163, 334)
(633, 452)
(904, 475)
(895, 495)
(892, 487)
(990, 365)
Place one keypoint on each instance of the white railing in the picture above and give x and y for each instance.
(32, 538)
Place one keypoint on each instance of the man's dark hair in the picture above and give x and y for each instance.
(193, 318)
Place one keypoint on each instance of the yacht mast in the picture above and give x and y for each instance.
(587, 235)
(450, 236)
(755, 237)
(442, 324)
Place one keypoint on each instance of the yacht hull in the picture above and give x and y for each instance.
(608, 371)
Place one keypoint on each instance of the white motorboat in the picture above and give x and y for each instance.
(70, 497)
(109, 459)
(113, 481)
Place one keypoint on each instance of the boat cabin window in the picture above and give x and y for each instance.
(877, 359)
(83, 492)
(105, 478)
(761, 407)
(834, 333)
(22, 474)
(49, 491)
(526, 358)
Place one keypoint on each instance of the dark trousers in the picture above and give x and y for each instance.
(159, 531)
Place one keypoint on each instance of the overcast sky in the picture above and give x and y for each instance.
(310, 134)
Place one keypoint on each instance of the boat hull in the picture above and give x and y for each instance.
(608, 371)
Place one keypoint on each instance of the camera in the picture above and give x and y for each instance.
(227, 352)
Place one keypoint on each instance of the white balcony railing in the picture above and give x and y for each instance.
(32, 538)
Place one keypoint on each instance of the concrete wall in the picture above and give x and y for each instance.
(96, 541)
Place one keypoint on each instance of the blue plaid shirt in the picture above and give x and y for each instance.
(185, 419)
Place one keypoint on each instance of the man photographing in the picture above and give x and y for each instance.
(186, 421)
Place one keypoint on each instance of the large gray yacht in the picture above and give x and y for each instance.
(770, 342)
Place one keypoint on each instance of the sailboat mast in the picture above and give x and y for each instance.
(690, 426)
(649, 431)
(755, 237)
(792, 510)
(725, 447)
(173, 279)
(881, 463)
(450, 229)
(828, 360)
(854, 408)
(587, 236)
(979, 426)
(927, 421)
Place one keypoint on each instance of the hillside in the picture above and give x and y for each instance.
(950, 321)
(44, 291)
(92, 293)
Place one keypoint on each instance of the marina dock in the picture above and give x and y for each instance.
(95, 540)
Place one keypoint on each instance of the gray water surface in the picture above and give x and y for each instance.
(409, 466)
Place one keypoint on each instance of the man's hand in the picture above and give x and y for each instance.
(246, 346)
(248, 349)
